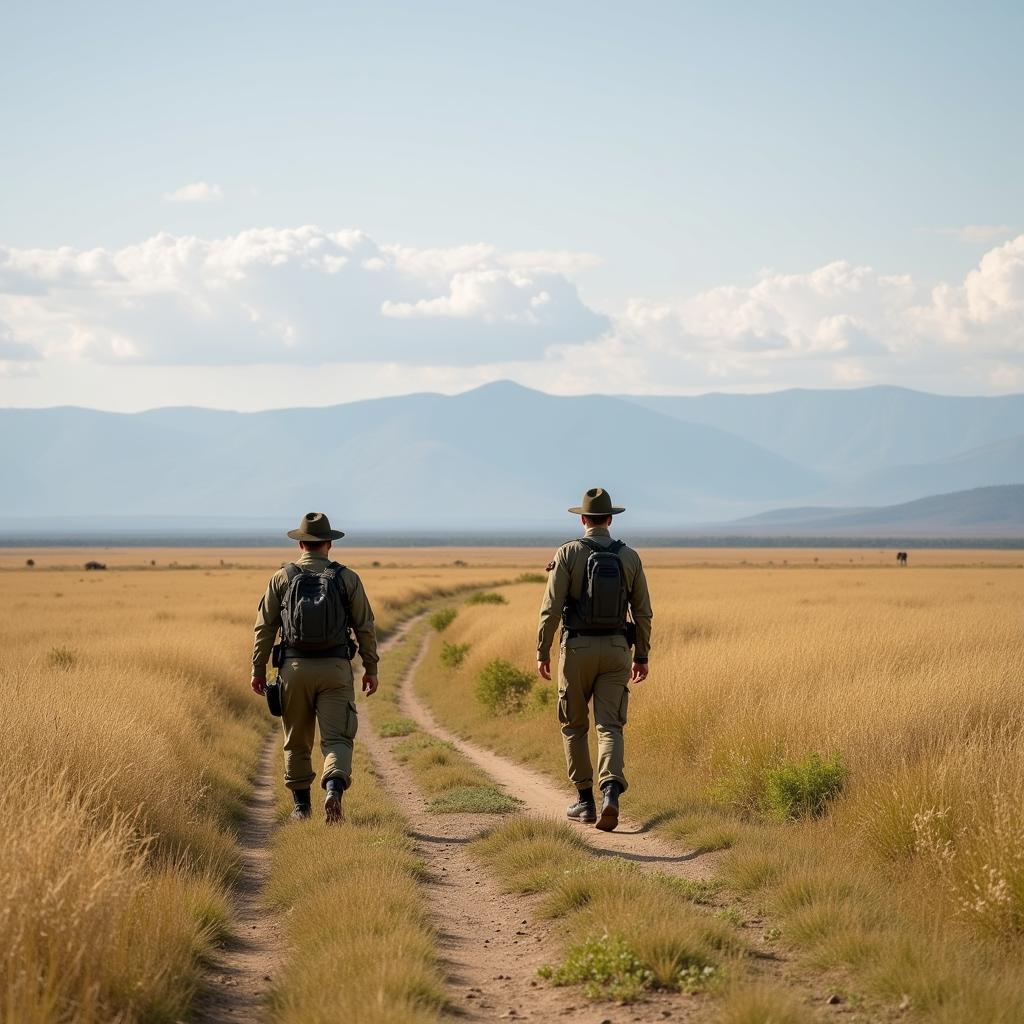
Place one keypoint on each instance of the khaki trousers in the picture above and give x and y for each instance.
(594, 669)
(317, 691)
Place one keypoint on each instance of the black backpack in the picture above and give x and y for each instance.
(604, 601)
(314, 610)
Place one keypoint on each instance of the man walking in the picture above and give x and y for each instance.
(316, 603)
(594, 585)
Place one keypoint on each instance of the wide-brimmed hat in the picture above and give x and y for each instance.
(597, 502)
(315, 528)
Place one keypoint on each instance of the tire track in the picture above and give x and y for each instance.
(631, 841)
(650, 852)
(239, 980)
(492, 941)
(240, 977)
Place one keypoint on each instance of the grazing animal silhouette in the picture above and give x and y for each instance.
(901, 557)
(93, 566)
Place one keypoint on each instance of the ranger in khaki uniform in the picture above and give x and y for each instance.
(595, 664)
(317, 686)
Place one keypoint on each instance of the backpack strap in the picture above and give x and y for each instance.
(291, 570)
(338, 569)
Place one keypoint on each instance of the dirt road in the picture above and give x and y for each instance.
(240, 977)
(492, 942)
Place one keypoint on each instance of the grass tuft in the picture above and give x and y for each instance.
(804, 788)
(486, 597)
(391, 728)
(62, 658)
(442, 618)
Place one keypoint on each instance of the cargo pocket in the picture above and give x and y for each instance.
(563, 709)
(351, 721)
(624, 706)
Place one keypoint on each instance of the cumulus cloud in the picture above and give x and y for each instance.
(307, 296)
(196, 192)
(838, 324)
(300, 295)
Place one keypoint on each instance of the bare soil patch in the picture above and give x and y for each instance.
(241, 976)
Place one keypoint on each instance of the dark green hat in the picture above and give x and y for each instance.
(315, 528)
(597, 502)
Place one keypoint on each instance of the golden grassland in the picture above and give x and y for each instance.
(359, 945)
(520, 558)
(914, 877)
(130, 739)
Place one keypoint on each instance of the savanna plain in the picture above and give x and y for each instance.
(840, 743)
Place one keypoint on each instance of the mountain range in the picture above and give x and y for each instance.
(980, 512)
(503, 457)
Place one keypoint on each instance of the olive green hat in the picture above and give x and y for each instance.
(597, 502)
(315, 528)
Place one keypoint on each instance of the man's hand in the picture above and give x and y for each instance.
(544, 669)
(639, 673)
(259, 685)
(370, 684)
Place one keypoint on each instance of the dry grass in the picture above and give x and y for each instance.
(914, 877)
(626, 931)
(130, 736)
(360, 946)
(452, 784)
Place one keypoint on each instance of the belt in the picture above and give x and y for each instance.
(341, 651)
(571, 634)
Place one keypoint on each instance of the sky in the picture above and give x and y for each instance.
(253, 205)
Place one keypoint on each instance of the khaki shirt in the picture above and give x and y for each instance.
(268, 615)
(566, 579)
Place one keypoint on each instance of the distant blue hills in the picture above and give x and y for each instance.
(506, 458)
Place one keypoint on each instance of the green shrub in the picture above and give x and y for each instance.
(543, 697)
(502, 688)
(800, 789)
(606, 967)
(485, 597)
(474, 800)
(531, 577)
(443, 618)
(453, 655)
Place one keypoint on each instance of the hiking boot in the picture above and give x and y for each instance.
(332, 802)
(302, 810)
(610, 806)
(584, 810)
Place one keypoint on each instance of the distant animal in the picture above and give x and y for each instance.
(92, 566)
(901, 557)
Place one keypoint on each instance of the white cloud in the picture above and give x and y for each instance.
(978, 234)
(196, 192)
(459, 315)
(294, 295)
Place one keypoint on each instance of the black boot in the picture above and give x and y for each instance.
(610, 806)
(302, 810)
(332, 802)
(584, 809)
